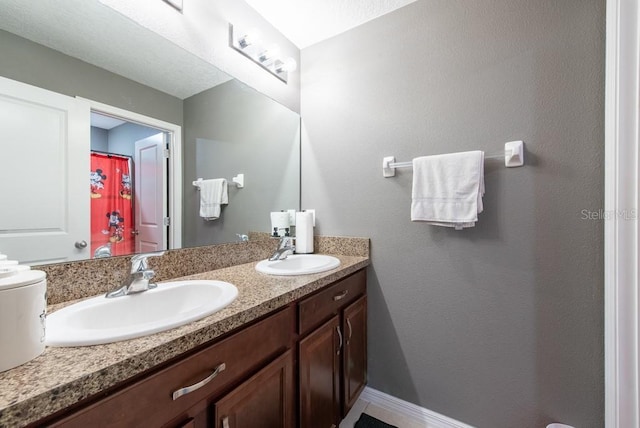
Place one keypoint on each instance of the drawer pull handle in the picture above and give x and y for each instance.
(188, 389)
(340, 296)
(340, 344)
(350, 331)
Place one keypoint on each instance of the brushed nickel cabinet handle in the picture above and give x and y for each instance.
(225, 422)
(340, 344)
(340, 296)
(188, 389)
(350, 331)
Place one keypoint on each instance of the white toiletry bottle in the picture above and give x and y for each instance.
(22, 314)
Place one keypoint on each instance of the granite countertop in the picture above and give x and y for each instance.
(61, 377)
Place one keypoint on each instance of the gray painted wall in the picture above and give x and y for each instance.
(233, 129)
(46, 68)
(500, 325)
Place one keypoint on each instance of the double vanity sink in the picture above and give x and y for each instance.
(101, 320)
(69, 374)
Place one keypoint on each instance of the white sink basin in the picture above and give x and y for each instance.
(298, 264)
(100, 320)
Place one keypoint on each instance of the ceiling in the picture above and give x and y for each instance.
(307, 22)
(105, 122)
(78, 27)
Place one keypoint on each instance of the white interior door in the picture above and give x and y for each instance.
(150, 194)
(44, 213)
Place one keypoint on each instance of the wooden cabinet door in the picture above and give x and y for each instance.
(189, 423)
(266, 400)
(195, 417)
(355, 352)
(320, 354)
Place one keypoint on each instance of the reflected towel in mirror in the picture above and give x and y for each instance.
(213, 193)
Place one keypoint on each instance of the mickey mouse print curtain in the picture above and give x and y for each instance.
(111, 204)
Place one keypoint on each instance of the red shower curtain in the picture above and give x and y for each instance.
(111, 203)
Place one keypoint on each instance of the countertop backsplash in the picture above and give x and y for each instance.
(77, 280)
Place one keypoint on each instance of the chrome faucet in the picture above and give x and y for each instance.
(285, 248)
(102, 251)
(139, 277)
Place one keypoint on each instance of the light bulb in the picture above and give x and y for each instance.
(251, 38)
(268, 54)
(288, 65)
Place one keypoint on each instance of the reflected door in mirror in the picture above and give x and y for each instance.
(43, 170)
(150, 194)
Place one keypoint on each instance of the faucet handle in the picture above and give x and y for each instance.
(286, 242)
(139, 261)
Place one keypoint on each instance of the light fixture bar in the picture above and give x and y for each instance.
(252, 48)
(176, 4)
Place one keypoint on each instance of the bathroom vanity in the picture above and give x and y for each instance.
(288, 352)
(249, 379)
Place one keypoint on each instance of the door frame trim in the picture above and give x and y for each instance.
(175, 161)
(621, 288)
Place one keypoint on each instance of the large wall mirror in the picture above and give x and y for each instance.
(88, 53)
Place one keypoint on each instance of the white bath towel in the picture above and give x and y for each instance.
(448, 189)
(213, 193)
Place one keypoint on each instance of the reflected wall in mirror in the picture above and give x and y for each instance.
(225, 137)
(227, 129)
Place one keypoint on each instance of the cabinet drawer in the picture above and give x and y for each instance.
(150, 402)
(320, 307)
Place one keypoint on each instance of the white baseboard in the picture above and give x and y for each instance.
(412, 411)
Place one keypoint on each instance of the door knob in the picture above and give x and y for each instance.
(134, 232)
(81, 244)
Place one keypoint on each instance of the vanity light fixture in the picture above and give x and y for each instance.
(176, 4)
(250, 45)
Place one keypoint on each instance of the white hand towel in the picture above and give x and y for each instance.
(448, 189)
(213, 193)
